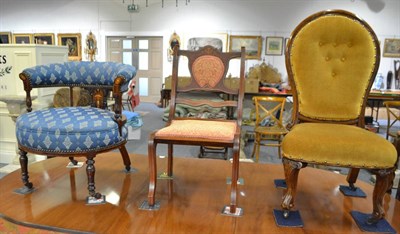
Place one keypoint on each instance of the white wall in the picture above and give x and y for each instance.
(234, 17)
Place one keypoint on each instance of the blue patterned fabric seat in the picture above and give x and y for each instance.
(69, 130)
(75, 131)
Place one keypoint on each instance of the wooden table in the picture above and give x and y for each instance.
(190, 203)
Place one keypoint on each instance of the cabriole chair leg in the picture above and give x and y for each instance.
(384, 180)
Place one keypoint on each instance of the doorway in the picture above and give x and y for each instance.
(145, 53)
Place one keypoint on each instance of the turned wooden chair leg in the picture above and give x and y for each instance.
(90, 171)
(384, 180)
(292, 170)
(125, 157)
(152, 172)
(23, 160)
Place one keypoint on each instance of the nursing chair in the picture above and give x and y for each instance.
(74, 130)
(208, 68)
(268, 129)
(332, 58)
(393, 115)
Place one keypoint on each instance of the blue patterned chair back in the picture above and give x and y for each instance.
(75, 131)
(79, 73)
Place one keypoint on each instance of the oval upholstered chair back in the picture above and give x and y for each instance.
(332, 59)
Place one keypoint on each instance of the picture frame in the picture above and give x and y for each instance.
(196, 41)
(253, 45)
(391, 48)
(5, 38)
(274, 45)
(74, 43)
(22, 38)
(44, 38)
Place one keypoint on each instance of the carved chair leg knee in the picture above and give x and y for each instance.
(292, 169)
(384, 180)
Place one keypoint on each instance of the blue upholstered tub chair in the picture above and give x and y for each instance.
(74, 131)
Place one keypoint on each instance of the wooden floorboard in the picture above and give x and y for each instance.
(190, 203)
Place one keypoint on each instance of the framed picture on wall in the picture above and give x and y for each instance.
(253, 45)
(20, 38)
(274, 46)
(74, 43)
(5, 38)
(44, 38)
(196, 41)
(391, 48)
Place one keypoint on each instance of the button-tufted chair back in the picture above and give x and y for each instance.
(332, 58)
(332, 71)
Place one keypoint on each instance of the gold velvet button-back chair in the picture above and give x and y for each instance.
(208, 68)
(332, 58)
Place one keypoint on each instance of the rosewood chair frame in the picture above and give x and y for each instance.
(211, 86)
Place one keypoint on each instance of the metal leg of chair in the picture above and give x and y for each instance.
(384, 180)
(125, 157)
(292, 169)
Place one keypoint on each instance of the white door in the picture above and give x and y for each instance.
(145, 53)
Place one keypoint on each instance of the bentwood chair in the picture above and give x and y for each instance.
(393, 117)
(332, 58)
(268, 129)
(208, 68)
(74, 130)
